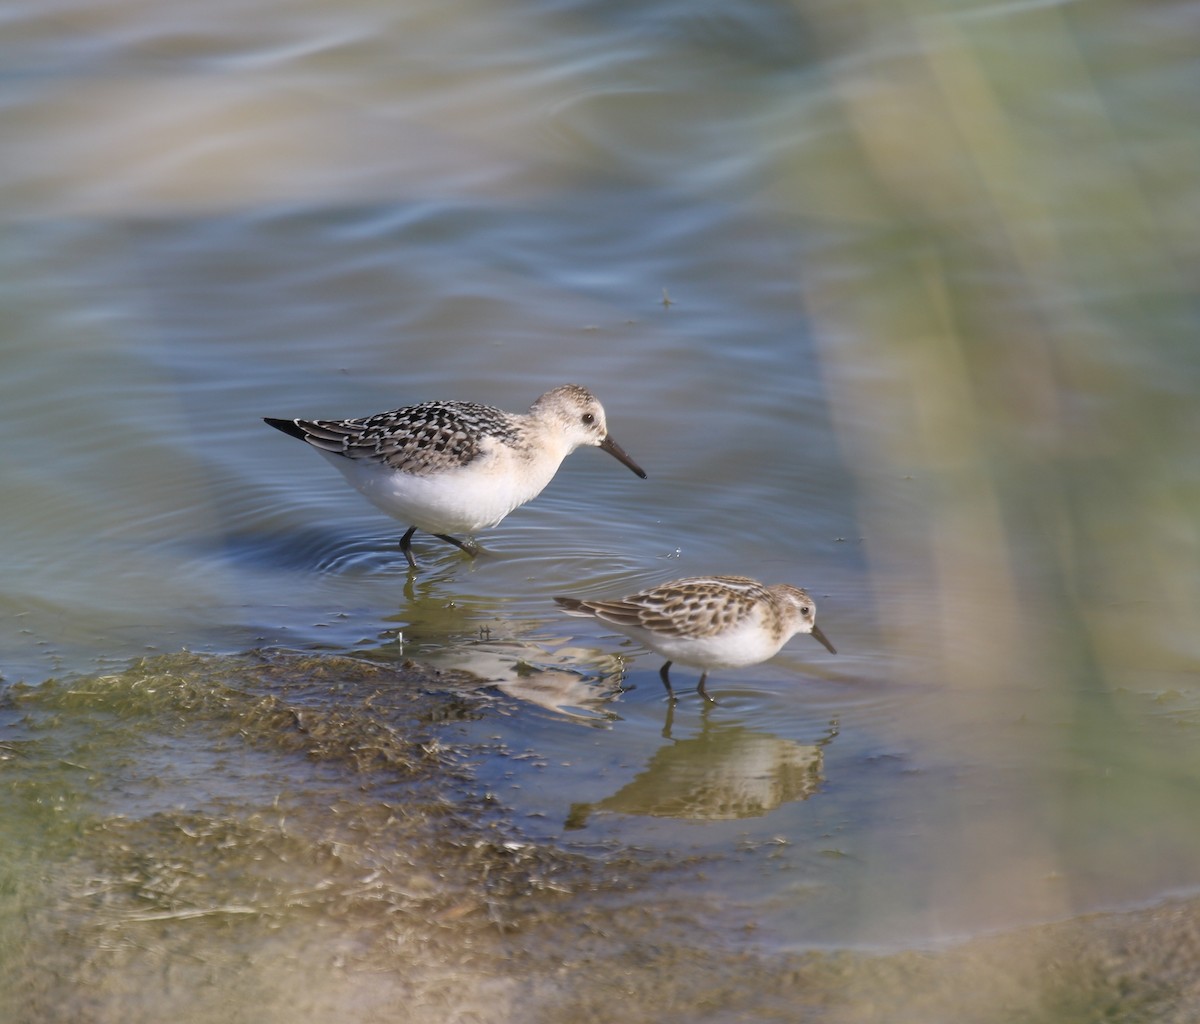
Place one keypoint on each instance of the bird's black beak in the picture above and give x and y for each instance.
(816, 631)
(618, 453)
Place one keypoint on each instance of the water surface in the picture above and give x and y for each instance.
(893, 304)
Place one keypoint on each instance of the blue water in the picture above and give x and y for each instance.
(891, 305)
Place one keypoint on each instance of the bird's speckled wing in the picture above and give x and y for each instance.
(695, 607)
(418, 439)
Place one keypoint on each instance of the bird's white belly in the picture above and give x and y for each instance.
(745, 645)
(455, 501)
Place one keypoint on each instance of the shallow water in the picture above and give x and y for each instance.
(892, 304)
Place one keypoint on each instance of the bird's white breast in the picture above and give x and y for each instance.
(464, 499)
(747, 643)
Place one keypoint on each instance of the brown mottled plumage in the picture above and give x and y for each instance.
(708, 621)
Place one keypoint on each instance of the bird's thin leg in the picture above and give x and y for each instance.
(703, 692)
(406, 545)
(662, 674)
(464, 545)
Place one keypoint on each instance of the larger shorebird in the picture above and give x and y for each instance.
(458, 467)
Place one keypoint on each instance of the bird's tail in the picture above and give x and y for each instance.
(291, 427)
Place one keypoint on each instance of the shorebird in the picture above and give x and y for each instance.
(458, 467)
(708, 621)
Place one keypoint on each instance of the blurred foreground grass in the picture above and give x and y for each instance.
(998, 278)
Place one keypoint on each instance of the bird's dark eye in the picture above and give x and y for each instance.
(588, 419)
(805, 610)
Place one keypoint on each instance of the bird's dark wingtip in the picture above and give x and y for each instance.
(290, 427)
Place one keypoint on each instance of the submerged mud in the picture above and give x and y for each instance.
(293, 837)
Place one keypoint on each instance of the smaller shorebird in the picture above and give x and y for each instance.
(708, 621)
(458, 467)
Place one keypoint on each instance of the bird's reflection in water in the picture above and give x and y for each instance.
(727, 771)
(563, 692)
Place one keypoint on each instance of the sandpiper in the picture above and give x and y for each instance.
(708, 621)
(458, 467)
